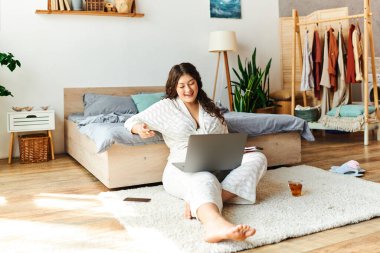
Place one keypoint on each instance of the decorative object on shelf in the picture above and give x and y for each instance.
(131, 6)
(109, 7)
(125, 6)
(94, 5)
(225, 9)
(17, 109)
(252, 88)
(121, 6)
(77, 5)
(45, 107)
(8, 60)
(223, 41)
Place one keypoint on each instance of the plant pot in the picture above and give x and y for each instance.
(268, 110)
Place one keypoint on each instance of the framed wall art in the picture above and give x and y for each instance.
(225, 9)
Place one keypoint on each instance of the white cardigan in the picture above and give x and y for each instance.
(172, 119)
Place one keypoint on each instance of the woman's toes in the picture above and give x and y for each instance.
(250, 232)
(243, 229)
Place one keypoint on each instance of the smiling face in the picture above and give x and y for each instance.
(187, 89)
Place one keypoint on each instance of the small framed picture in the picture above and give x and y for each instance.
(225, 9)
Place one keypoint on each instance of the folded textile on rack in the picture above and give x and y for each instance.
(348, 124)
(306, 108)
(350, 110)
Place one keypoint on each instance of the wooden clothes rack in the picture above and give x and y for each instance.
(368, 35)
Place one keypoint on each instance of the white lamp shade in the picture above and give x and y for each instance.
(222, 41)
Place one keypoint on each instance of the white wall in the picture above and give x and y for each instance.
(58, 51)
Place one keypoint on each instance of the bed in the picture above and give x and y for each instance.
(121, 165)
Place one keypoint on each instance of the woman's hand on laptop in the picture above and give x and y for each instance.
(143, 130)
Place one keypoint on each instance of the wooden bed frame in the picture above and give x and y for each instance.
(123, 165)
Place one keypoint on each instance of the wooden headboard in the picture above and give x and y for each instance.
(73, 97)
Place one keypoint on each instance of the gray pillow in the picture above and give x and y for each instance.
(96, 104)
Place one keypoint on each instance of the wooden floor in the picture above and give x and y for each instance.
(53, 206)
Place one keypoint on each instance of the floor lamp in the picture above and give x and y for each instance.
(223, 41)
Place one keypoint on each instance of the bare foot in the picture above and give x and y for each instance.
(220, 232)
(187, 214)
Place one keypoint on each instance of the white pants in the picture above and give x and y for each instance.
(203, 187)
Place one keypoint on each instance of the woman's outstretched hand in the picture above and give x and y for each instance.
(143, 131)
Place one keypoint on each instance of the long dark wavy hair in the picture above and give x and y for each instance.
(187, 68)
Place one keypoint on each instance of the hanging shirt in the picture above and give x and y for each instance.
(356, 42)
(341, 96)
(307, 80)
(325, 79)
(333, 58)
(350, 74)
(317, 64)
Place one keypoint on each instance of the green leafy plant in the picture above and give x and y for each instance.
(8, 60)
(251, 91)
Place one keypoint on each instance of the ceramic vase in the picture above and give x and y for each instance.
(121, 6)
(77, 5)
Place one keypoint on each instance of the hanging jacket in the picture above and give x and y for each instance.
(350, 74)
(333, 58)
(325, 79)
(307, 80)
(317, 64)
(358, 51)
(341, 95)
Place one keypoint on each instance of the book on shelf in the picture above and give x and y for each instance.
(67, 5)
(54, 5)
(61, 5)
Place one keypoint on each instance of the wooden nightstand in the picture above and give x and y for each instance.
(30, 121)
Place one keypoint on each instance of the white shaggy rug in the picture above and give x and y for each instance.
(329, 200)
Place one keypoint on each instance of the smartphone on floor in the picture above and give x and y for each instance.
(137, 199)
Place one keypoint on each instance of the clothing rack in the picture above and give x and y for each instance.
(368, 35)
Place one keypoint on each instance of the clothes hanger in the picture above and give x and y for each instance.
(357, 25)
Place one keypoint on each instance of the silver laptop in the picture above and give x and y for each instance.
(214, 152)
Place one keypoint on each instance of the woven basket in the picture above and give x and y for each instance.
(33, 148)
(308, 115)
(94, 5)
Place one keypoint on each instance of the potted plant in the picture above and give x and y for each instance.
(8, 60)
(251, 91)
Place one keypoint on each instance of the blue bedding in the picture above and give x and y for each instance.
(106, 130)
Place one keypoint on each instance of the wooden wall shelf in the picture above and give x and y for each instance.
(93, 13)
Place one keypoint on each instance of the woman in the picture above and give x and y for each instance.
(185, 111)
